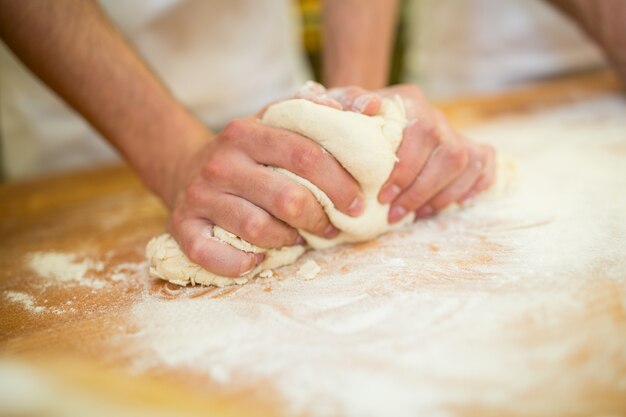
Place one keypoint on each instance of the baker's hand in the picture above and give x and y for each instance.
(228, 183)
(344, 98)
(436, 166)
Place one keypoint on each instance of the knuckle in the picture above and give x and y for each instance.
(307, 158)
(216, 168)
(194, 193)
(253, 226)
(195, 251)
(427, 132)
(234, 129)
(456, 157)
(292, 202)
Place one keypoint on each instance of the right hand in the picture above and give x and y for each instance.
(228, 183)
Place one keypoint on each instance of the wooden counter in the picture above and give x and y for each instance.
(88, 329)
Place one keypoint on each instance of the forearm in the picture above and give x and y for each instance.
(74, 49)
(358, 40)
(605, 22)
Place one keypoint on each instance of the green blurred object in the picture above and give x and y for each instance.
(311, 14)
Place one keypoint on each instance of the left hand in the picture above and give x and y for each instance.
(436, 165)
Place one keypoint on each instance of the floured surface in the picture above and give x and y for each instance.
(515, 306)
(517, 300)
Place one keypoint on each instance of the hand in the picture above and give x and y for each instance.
(349, 98)
(436, 166)
(228, 183)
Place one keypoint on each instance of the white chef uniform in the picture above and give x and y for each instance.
(223, 59)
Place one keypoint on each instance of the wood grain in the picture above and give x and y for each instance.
(106, 214)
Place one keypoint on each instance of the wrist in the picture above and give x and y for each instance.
(163, 156)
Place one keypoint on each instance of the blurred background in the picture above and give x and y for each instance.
(226, 59)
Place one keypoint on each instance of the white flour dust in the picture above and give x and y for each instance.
(487, 305)
(125, 271)
(26, 300)
(65, 268)
(70, 271)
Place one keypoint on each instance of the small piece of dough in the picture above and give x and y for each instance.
(308, 270)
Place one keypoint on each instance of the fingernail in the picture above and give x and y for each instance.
(258, 258)
(396, 213)
(331, 231)
(389, 193)
(424, 211)
(300, 241)
(360, 103)
(356, 206)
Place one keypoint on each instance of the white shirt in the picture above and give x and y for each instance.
(227, 58)
(223, 59)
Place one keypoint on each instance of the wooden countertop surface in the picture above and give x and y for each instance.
(68, 330)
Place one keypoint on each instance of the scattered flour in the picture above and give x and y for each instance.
(26, 300)
(513, 300)
(65, 268)
(127, 270)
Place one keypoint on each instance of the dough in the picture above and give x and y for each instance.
(364, 145)
(308, 270)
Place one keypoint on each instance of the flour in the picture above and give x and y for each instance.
(405, 325)
(26, 300)
(68, 270)
(125, 271)
(65, 268)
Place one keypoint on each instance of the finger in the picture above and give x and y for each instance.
(487, 176)
(445, 163)
(325, 100)
(416, 104)
(457, 188)
(367, 104)
(196, 239)
(281, 148)
(242, 218)
(280, 196)
(316, 93)
(357, 99)
(311, 88)
(417, 144)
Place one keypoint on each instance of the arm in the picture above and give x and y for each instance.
(605, 22)
(204, 179)
(358, 39)
(74, 49)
